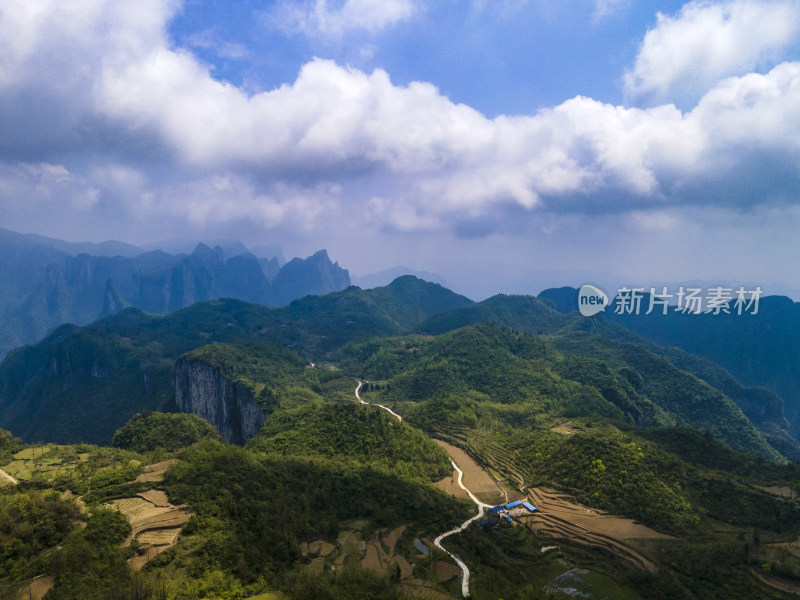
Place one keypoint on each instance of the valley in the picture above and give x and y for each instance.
(366, 444)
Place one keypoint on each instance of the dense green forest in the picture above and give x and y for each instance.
(335, 499)
(152, 431)
(361, 435)
(519, 377)
(250, 528)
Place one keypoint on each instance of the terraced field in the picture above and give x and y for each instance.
(380, 554)
(46, 460)
(591, 519)
(413, 590)
(449, 485)
(562, 518)
(37, 588)
(485, 488)
(6, 479)
(558, 515)
(155, 472)
(155, 523)
(496, 457)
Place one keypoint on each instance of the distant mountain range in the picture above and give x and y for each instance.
(45, 283)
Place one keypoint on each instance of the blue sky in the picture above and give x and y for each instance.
(499, 58)
(506, 144)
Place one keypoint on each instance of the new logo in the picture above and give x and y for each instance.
(591, 300)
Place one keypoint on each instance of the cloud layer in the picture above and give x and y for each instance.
(103, 116)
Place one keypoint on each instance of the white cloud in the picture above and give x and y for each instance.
(686, 54)
(333, 19)
(339, 144)
(754, 112)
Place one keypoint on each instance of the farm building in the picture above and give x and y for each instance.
(515, 504)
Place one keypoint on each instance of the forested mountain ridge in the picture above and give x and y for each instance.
(539, 315)
(519, 377)
(760, 349)
(90, 380)
(105, 373)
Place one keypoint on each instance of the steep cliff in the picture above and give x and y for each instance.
(202, 389)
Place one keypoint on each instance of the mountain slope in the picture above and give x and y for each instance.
(89, 381)
(758, 350)
(538, 315)
(516, 377)
(352, 432)
(523, 313)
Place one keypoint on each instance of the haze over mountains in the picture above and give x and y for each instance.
(46, 283)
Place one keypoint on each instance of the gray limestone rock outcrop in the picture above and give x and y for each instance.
(203, 390)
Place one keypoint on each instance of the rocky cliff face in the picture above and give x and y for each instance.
(230, 407)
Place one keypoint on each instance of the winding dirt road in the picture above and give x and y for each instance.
(438, 541)
(386, 408)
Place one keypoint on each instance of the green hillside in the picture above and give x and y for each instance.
(517, 378)
(762, 406)
(154, 431)
(333, 499)
(355, 434)
(538, 315)
(254, 513)
(687, 399)
(252, 530)
(758, 349)
(82, 384)
(277, 377)
(523, 313)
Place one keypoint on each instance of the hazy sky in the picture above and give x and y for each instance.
(504, 144)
